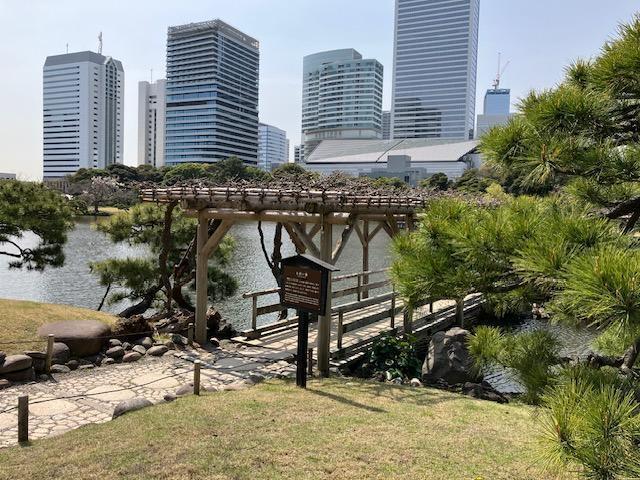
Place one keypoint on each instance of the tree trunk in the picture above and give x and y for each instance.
(143, 305)
(104, 297)
(276, 257)
(164, 256)
(630, 356)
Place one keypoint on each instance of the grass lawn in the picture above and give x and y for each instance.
(20, 320)
(337, 429)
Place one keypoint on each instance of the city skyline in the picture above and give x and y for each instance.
(136, 35)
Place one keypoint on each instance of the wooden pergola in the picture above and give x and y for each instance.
(304, 214)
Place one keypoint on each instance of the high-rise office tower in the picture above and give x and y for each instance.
(341, 97)
(386, 125)
(434, 68)
(497, 102)
(212, 94)
(273, 147)
(151, 116)
(83, 102)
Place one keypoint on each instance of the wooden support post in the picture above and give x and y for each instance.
(49, 357)
(359, 294)
(201, 281)
(408, 321)
(254, 312)
(310, 362)
(324, 321)
(190, 332)
(460, 312)
(393, 309)
(303, 347)
(196, 377)
(340, 329)
(365, 257)
(23, 419)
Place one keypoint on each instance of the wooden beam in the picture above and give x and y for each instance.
(324, 321)
(297, 242)
(314, 230)
(365, 256)
(375, 231)
(201, 280)
(344, 238)
(387, 228)
(308, 241)
(217, 236)
(359, 232)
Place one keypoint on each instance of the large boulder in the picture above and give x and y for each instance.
(83, 337)
(26, 375)
(15, 363)
(448, 359)
(218, 327)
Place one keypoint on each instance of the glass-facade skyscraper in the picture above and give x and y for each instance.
(212, 94)
(434, 68)
(273, 147)
(341, 97)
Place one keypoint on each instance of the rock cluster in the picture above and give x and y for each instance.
(25, 367)
(448, 359)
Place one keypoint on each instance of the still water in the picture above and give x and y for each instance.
(74, 284)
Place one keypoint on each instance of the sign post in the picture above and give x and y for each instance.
(304, 288)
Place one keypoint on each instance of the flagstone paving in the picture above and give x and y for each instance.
(67, 401)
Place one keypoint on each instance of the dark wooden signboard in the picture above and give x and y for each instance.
(302, 288)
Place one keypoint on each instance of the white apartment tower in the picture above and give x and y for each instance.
(83, 103)
(434, 68)
(341, 97)
(273, 147)
(151, 120)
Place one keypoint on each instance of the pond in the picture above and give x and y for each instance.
(74, 284)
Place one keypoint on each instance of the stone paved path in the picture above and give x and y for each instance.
(96, 392)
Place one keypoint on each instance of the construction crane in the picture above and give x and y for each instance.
(501, 69)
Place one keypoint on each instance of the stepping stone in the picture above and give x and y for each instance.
(8, 420)
(107, 393)
(83, 337)
(156, 381)
(237, 364)
(51, 407)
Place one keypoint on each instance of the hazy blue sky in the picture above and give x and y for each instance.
(539, 38)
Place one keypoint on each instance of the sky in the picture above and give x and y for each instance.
(538, 38)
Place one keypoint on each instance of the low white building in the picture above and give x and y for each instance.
(7, 176)
(368, 157)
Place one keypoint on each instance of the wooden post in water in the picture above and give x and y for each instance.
(49, 357)
(23, 419)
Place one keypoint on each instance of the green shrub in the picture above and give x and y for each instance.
(592, 419)
(395, 356)
(531, 355)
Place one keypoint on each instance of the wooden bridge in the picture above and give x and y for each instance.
(306, 212)
(356, 323)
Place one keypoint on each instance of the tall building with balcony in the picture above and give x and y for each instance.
(497, 103)
(434, 68)
(212, 94)
(273, 147)
(151, 116)
(83, 103)
(298, 153)
(341, 97)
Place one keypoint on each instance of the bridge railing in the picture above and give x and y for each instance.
(361, 291)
